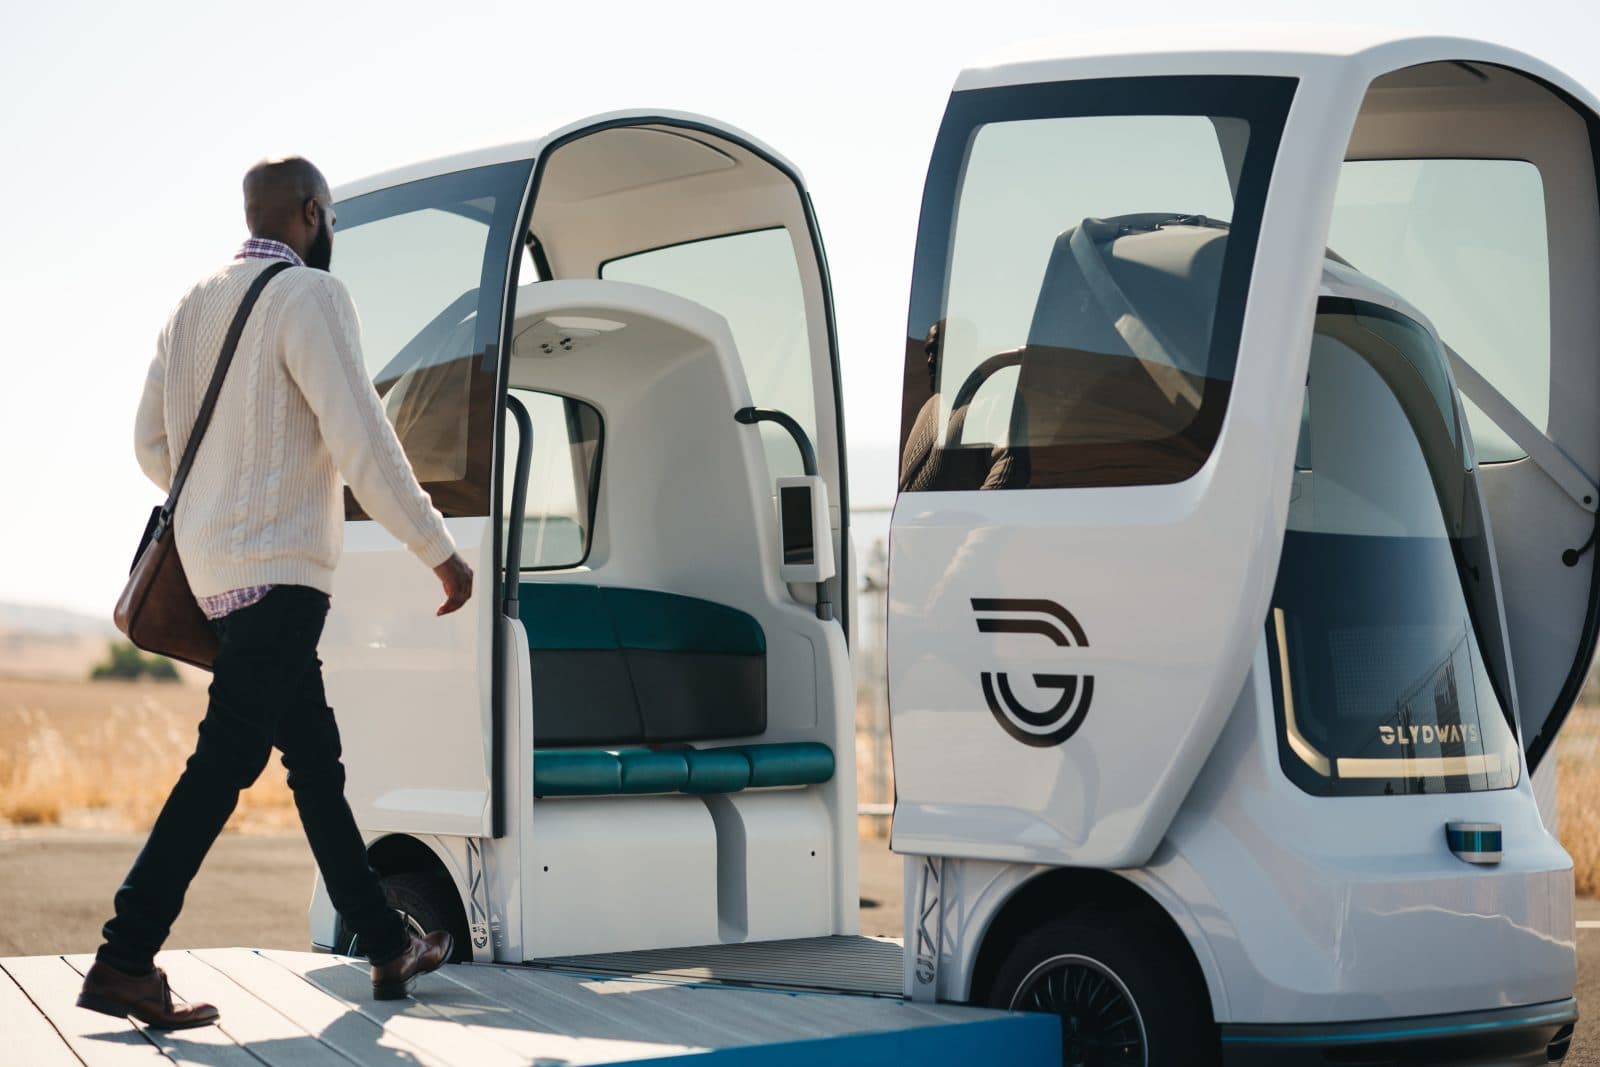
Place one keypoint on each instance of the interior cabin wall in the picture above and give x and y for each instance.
(684, 507)
(682, 504)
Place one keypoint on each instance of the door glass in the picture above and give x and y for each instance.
(563, 479)
(1080, 280)
(1388, 662)
(426, 265)
(1464, 240)
(753, 281)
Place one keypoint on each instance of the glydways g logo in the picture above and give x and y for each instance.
(1046, 618)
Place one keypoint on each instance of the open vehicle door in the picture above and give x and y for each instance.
(1083, 544)
(429, 264)
(1492, 228)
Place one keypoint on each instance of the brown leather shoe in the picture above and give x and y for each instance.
(148, 999)
(392, 980)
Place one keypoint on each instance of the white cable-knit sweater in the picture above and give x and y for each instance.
(264, 503)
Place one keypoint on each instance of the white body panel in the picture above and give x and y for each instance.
(1310, 909)
(775, 860)
(614, 873)
(411, 689)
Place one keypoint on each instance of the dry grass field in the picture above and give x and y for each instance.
(102, 755)
(1578, 764)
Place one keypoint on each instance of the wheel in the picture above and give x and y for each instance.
(427, 902)
(1127, 995)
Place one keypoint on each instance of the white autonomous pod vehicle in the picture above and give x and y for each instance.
(1242, 570)
(1241, 575)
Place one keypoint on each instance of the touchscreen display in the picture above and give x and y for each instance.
(794, 507)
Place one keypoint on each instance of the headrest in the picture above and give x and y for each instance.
(1142, 285)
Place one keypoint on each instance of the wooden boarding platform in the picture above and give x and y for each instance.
(298, 1009)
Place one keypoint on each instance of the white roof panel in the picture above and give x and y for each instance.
(1284, 50)
(529, 149)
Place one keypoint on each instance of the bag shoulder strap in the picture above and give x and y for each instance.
(209, 403)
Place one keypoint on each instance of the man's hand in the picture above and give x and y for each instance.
(456, 577)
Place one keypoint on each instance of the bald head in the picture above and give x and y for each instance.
(288, 200)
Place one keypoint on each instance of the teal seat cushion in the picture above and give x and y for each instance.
(644, 771)
(788, 763)
(716, 770)
(598, 772)
(580, 772)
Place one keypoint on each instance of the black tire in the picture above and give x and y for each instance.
(1127, 994)
(428, 902)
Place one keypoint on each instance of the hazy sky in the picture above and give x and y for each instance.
(128, 126)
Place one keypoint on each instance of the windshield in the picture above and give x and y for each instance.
(1388, 665)
(1079, 288)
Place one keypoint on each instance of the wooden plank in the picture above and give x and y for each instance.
(681, 1011)
(252, 1022)
(98, 1040)
(561, 1005)
(675, 1011)
(202, 1046)
(471, 1021)
(333, 1022)
(29, 1037)
(440, 1019)
(271, 1035)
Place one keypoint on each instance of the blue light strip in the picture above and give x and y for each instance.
(1476, 841)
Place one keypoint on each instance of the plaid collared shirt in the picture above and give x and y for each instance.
(215, 607)
(267, 248)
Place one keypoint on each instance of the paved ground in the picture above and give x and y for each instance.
(1586, 1049)
(56, 887)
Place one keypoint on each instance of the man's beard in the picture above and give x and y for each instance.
(320, 254)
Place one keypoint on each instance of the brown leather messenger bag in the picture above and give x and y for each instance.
(157, 610)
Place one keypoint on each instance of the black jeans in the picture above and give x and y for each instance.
(266, 691)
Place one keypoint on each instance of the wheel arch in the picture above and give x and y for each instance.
(1060, 891)
(400, 853)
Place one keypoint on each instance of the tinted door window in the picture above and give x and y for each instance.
(1388, 662)
(1079, 288)
(426, 263)
(563, 479)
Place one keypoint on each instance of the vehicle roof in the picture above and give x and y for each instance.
(506, 153)
(1363, 52)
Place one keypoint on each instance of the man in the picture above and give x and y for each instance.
(259, 528)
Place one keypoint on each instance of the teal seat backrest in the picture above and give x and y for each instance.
(559, 616)
(667, 622)
(619, 666)
(565, 617)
